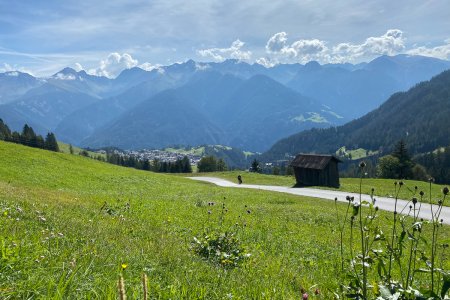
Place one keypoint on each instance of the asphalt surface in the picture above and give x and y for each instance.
(383, 203)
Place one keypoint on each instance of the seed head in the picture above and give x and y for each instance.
(347, 198)
(400, 183)
(416, 187)
(376, 208)
(431, 179)
(335, 199)
(362, 165)
(395, 182)
(445, 190)
(248, 211)
(414, 200)
(421, 193)
(440, 202)
(373, 190)
(317, 292)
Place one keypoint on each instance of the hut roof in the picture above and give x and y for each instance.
(313, 161)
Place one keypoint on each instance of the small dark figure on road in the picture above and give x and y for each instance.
(239, 179)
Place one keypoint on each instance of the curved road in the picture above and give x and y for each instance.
(382, 202)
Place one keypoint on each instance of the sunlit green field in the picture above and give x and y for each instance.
(69, 223)
(382, 187)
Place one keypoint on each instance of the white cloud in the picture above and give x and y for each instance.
(299, 51)
(390, 43)
(13, 70)
(277, 42)
(114, 64)
(78, 67)
(61, 76)
(148, 66)
(12, 73)
(266, 62)
(442, 52)
(304, 50)
(221, 54)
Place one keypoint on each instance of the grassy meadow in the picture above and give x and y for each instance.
(70, 226)
(382, 187)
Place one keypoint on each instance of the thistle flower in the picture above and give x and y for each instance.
(305, 296)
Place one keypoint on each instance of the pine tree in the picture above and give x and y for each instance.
(28, 136)
(51, 143)
(221, 165)
(5, 132)
(187, 168)
(405, 162)
(255, 166)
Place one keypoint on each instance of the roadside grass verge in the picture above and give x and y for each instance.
(383, 187)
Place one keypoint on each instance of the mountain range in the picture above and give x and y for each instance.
(231, 103)
(419, 116)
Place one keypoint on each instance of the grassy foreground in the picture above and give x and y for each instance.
(382, 187)
(69, 226)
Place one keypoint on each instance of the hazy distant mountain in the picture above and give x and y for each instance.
(252, 105)
(82, 123)
(420, 116)
(353, 92)
(251, 114)
(43, 107)
(14, 84)
(161, 121)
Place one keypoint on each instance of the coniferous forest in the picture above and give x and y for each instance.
(28, 137)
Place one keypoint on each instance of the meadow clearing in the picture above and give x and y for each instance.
(70, 226)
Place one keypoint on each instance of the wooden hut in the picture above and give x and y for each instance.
(316, 169)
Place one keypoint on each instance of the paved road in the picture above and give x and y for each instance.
(382, 202)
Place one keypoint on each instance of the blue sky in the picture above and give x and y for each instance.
(104, 37)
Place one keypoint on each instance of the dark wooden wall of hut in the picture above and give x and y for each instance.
(329, 176)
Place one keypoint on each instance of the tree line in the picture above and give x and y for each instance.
(182, 165)
(399, 164)
(28, 137)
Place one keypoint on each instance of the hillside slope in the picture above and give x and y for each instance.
(420, 116)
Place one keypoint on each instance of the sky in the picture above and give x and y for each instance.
(105, 37)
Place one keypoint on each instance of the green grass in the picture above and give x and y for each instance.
(65, 148)
(356, 153)
(57, 243)
(382, 187)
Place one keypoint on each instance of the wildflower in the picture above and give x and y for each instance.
(305, 296)
(124, 266)
(445, 190)
(316, 292)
